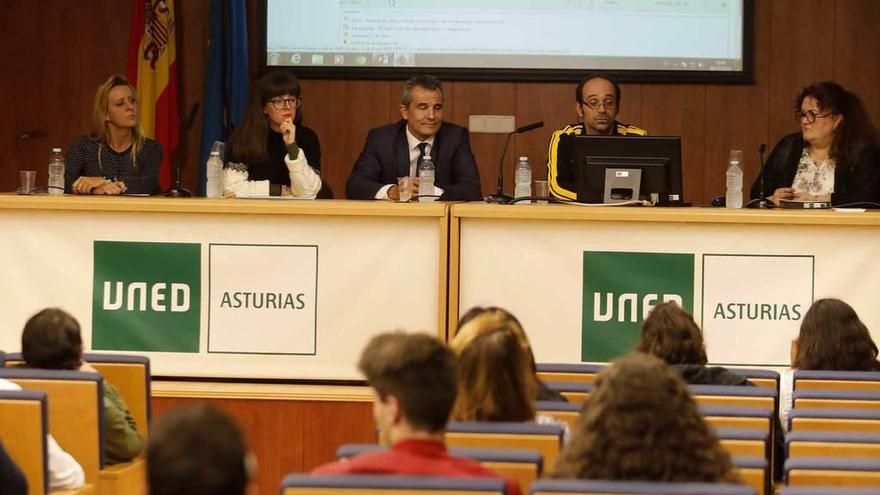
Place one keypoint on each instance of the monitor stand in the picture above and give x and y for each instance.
(622, 184)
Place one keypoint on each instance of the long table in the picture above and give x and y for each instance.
(581, 278)
(279, 289)
(226, 288)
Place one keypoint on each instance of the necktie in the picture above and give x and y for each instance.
(422, 152)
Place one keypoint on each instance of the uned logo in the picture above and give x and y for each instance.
(620, 289)
(146, 296)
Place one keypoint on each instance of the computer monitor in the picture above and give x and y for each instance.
(656, 158)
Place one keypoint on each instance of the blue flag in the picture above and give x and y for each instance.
(226, 77)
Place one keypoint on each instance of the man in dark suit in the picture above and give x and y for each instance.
(394, 150)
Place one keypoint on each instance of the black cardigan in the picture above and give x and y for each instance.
(853, 183)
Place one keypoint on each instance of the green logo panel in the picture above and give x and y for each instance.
(146, 296)
(620, 288)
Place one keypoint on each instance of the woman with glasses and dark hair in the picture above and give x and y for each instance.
(116, 157)
(835, 157)
(270, 153)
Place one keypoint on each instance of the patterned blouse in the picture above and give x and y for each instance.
(814, 178)
(140, 178)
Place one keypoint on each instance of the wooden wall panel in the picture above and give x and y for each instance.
(670, 110)
(342, 112)
(289, 436)
(856, 59)
(796, 42)
(551, 103)
(480, 98)
(802, 52)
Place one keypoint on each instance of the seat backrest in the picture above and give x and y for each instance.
(569, 412)
(130, 374)
(832, 444)
(752, 470)
(836, 398)
(131, 377)
(23, 429)
(760, 377)
(731, 395)
(818, 419)
(375, 484)
(737, 417)
(841, 380)
(565, 372)
(523, 466)
(574, 392)
(832, 471)
(603, 487)
(544, 439)
(744, 442)
(76, 411)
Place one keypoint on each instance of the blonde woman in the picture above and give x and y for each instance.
(496, 381)
(116, 158)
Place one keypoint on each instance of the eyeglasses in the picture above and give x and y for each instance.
(595, 103)
(809, 115)
(282, 103)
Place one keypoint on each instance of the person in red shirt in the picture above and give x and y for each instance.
(413, 380)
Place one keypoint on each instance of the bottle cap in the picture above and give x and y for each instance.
(215, 153)
(427, 157)
(523, 158)
(56, 150)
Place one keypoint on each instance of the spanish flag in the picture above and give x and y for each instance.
(152, 68)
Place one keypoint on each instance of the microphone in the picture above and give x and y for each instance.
(763, 200)
(175, 191)
(499, 196)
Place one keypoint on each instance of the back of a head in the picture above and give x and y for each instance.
(196, 450)
(832, 337)
(418, 370)
(51, 339)
(495, 377)
(640, 423)
(671, 334)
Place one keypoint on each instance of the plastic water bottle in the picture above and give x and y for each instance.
(734, 196)
(426, 179)
(56, 172)
(523, 179)
(214, 174)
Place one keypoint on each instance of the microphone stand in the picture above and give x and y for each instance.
(763, 201)
(499, 197)
(176, 191)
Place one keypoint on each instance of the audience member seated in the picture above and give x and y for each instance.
(833, 338)
(496, 381)
(64, 472)
(671, 334)
(395, 150)
(835, 157)
(116, 157)
(502, 316)
(198, 450)
(271, 153)
(51, 340)
(640, 423)
(12, 480)
(414, 385)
